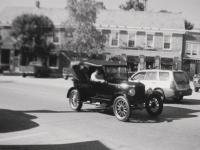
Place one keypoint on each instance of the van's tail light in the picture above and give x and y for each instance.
(172, 85)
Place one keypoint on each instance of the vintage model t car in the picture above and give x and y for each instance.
(116, 92)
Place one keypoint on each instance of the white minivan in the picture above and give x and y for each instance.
(172, 84)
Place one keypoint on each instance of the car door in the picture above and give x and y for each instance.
(151, 80)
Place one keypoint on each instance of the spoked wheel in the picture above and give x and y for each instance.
(121, 108)
(154, 105)
(74, 100)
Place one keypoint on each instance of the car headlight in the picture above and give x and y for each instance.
(131, 92)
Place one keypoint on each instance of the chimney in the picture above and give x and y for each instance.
(37, 3)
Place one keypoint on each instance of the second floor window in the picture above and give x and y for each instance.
(114, 38)
(192, 48)
(131, 40)
(167, 42)
(150, 41)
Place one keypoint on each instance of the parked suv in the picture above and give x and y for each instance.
(196, 82)
(171, 84)
(114, 90)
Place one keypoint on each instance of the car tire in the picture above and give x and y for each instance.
(121, 108)
(196, 89)
(74, 100)
(178, 99)
(154, 105)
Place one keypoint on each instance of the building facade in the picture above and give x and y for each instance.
(191, 54)
(147, 40)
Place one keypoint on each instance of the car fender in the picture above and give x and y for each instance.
(122, 93)
(72, 88)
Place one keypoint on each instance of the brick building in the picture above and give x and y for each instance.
(191, 54)
(143, 39)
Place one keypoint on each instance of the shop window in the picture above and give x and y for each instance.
(53, 60)
(167, 42)
(150, 41)
(5, 56)
(114, 38)
(131, 40)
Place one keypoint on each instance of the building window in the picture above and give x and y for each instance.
(131, 40)
(192, 48)
(114, 39)
(150, 41)
(55, 38)
(167, 42)
(53, 60)
(107, 33)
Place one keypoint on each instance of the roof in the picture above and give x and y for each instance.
(100, 63)
(142, 19)
(107, 17)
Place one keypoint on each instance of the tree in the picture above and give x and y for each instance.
(85, 35)
(188, 25)
(31, 33)
(133, 4)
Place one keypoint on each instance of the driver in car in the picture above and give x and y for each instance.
(97, 76)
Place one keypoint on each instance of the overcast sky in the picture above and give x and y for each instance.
(189, 8)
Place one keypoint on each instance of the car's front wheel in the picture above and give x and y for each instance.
(154, 105)
(74, 100)
(121, 108)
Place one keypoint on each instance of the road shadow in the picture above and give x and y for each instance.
(11, 121)
(89, 145)
(190, 102)
(169, 114)
(185, 101)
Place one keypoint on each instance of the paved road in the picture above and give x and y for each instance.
(34, 112)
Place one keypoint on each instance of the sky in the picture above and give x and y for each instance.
(190, 9)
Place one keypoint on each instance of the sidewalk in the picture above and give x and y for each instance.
(58, 82)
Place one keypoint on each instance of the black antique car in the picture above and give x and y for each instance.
(116, 92)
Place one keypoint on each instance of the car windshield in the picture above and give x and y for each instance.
(181, 78)
(116, 73)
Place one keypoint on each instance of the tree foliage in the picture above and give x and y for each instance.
(133, 4)
(85, 35)
(188, 25)
(31, 33)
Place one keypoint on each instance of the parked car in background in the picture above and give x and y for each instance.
(173, 85)
(114, 90)
(35, 69)
(196, 82)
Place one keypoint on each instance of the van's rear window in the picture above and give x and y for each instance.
(180, 78)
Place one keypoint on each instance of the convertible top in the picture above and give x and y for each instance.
(83, 69)
(100, 63)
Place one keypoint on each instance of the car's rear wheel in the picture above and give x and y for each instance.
(74, 100)
(196, 89)
(121, 108)
(154, 105)
(178, 99)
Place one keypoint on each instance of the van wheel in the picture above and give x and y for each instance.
(178, 99)
(154, 105)
(121, 108)
(74, 100)
(196, 89)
